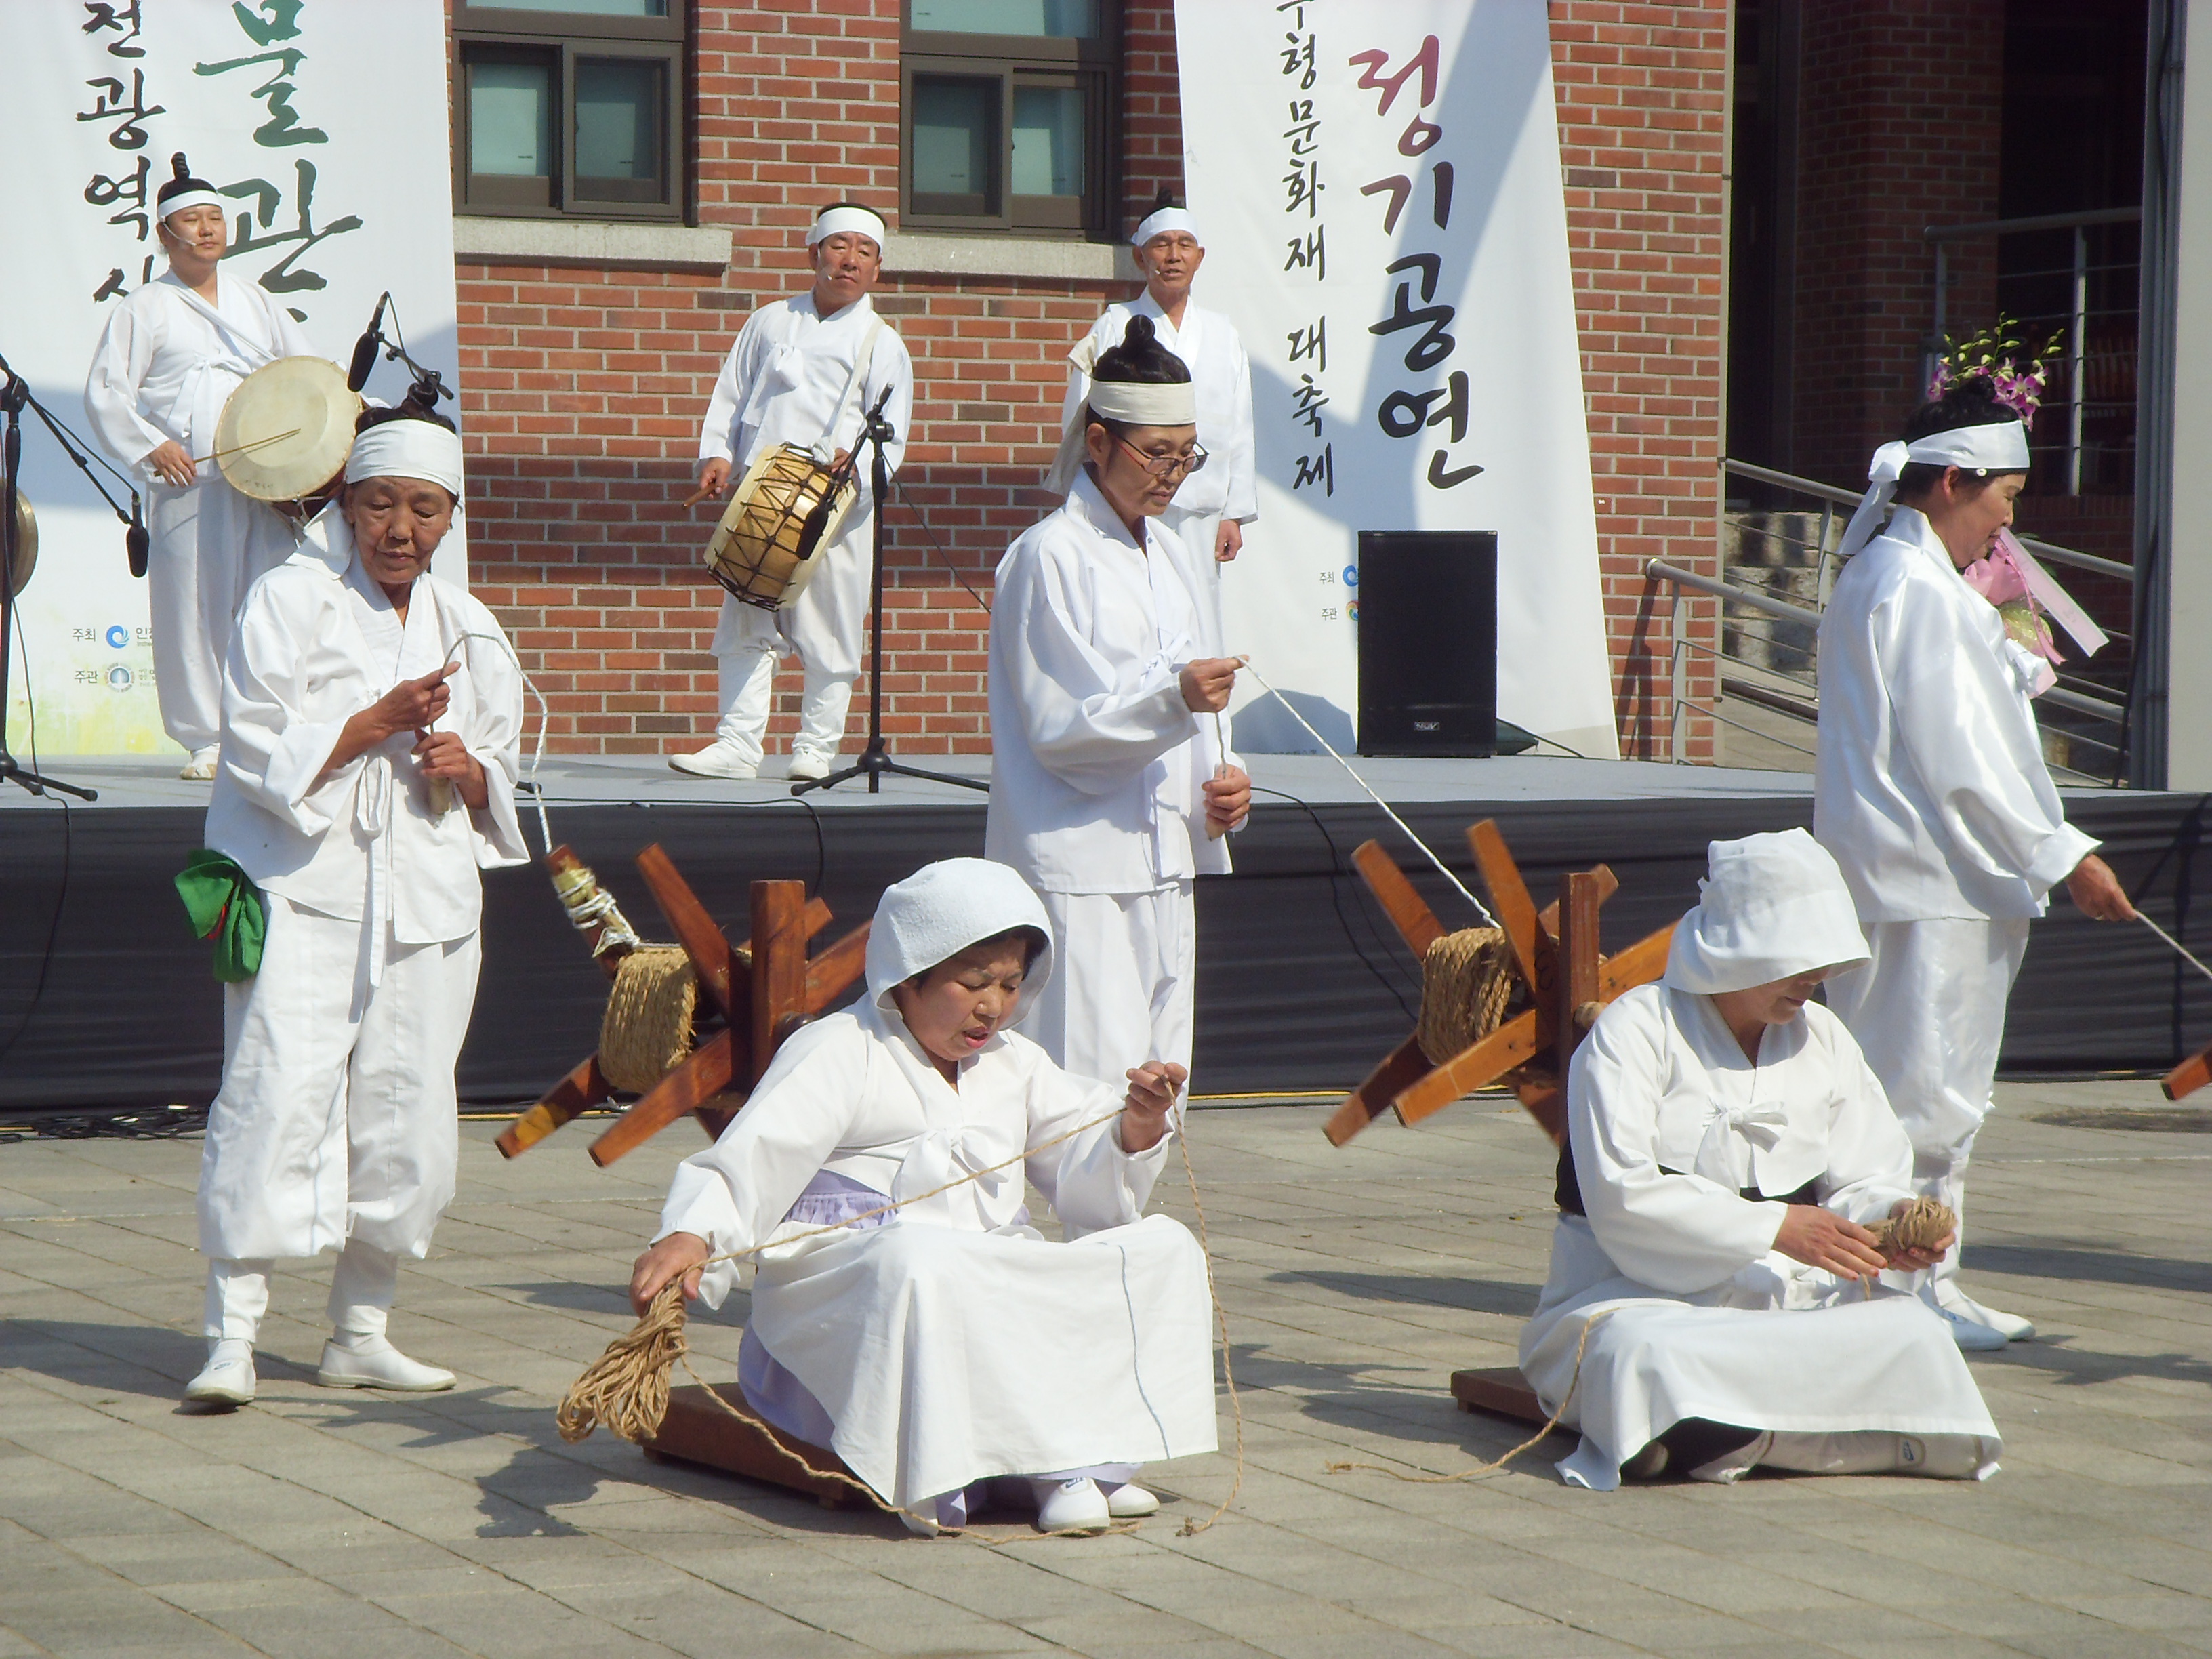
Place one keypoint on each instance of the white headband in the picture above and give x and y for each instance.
(1166, 219)
(1998, 446)
(1175, 404)
(837, 220)
(407, 449)
(191, 198)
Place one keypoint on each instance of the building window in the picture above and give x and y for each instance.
(1009, 115)
(571, 110)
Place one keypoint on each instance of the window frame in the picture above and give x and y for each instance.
(1093, 65)
(562, 40)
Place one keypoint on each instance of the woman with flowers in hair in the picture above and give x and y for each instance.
(1931, 789)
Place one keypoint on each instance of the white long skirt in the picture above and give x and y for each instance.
(944, 1358)
(1655, 1359)
(337, 1118)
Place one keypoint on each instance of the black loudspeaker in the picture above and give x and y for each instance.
(1428, 642)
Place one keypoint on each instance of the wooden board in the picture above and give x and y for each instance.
(1502, 1391)
(698, 1431)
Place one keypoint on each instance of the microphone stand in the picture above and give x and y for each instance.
(875, 760)
(13, 398)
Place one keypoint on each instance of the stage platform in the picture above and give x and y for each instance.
(1302, 983)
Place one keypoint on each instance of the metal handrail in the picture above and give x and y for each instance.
(2118, 215)
(1660, 569)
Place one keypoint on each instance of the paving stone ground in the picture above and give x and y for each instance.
(325, 1523)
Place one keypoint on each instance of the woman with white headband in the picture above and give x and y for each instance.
(1932, 792)
(1711, 1305)
(1216, 502)
(1111, 779)
(371, 713)
(171, 354)
(947, 1342)
(804, 371)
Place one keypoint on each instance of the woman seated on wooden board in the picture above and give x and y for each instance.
(1714, 1270)
(948, 1342)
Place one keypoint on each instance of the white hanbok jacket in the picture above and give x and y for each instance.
(167, 361)
(1227, 486)
(1669, 1123)
(1930, 788)
(1099, 766)
(954, 1342)
(317, 643)
(784, 375)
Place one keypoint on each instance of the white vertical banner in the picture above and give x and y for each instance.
(1377, 183)
(324, 122)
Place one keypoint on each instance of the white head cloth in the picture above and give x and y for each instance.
(837, 220)
(407, 449)
(1772, 906)
(1175, 404)
(191, 198)
(1170, 218)
(1999, 447)
(939, 911)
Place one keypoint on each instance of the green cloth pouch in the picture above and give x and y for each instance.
(226, 906)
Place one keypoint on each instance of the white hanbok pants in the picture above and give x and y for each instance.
(337, 1124)
(1928, 1010)
(1198, 532)
(207, 545)
(1124, 981)
(823, 627)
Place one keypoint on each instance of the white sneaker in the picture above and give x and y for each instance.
(1971, 1335)
(1129, 1502)
(921, 1526)
(1074, 1505)
(200, 768)
(719, 759)
(2011, 1327)
(374, 1363)
(807, 765)
(228, 1377)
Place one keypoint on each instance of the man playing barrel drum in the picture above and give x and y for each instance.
(804, 371)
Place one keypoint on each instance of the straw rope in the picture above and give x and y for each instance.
(646, 1032)
(1497, 1463)
(1466, 980)
(625, 1390)
(1920, 1224)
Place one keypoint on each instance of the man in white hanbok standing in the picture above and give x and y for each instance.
(1209, 511)
(1931, 792)
(1112, 782)
(168, 360)
(1709, 1307)
(371, 716)
(946, 1343)
(804, 371)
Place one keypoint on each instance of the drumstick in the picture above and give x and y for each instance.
(254, 443)
(697, 496)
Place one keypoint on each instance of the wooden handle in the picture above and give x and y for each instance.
(703, 1074)
(1405, 1065)
(1408, 912)
(1476, 1068)
(571, 1098)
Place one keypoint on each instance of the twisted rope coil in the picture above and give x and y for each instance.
(646, 1032)
(1467, 983)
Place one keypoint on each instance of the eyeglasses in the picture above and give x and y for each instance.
(1167, 466)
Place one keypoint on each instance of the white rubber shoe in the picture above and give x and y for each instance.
(808, 765)
(1130, 1501)
(2011, 1327)
(200, 768)
(374, 1363)
(1074, 1505)
(228, 1377)
(1971, 1335)
(717, 759)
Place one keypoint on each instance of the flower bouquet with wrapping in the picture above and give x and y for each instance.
(2024, 594)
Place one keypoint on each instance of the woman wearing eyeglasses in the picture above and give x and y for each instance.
(1111, 779)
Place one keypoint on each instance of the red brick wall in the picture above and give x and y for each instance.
(1900, 124)
(1641, 93)
(582, 389)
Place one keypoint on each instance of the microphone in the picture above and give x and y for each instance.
(364, 349)
(135, 540)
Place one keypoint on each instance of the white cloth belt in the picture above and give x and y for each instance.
(372, 815)
(1999, 447)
